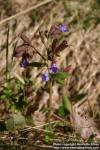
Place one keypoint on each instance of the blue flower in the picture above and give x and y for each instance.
(24, 63)
(45, 77)
(63, 28)
(53, 68)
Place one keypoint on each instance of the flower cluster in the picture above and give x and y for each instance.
(24, 52)
(56, 48)
(52, 69)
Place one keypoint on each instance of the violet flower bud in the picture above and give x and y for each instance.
(45, 77)
(24, 62)
(63, 28)
(53, 68)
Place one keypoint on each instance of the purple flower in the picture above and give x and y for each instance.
(53, 68)
(63, 28)
(45, 77)
(24, 62)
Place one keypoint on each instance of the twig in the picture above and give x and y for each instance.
(7, 52)
(39, 126)
(25, 11)
(38, 52)
(35, 128)
(59, 118)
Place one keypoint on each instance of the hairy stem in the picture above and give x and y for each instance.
(38, 53)
(49, 104)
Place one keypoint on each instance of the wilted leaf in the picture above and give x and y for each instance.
(20, 50)
(25, 39)
(54, 31)
(61, 47)
(67, 69)
(54, 44)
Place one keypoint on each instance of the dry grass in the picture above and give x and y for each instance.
(83, 53)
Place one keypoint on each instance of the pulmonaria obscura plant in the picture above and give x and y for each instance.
(52, 74)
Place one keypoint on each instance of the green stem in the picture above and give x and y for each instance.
(25, 79)
(49, 104)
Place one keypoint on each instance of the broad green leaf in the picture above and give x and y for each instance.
(67, 104)
(15, 121)
(36, 64)
(60, 75)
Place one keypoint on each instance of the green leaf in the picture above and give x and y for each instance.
(61, 82)
(2, 126)
(21, 103)
(61, 111)
(36, 64)
(49, 134)
(10, 124)
(15, 121)
(78, 97)
(29, 121)
(8, 92)
(67, 104)
(87, 22)
(3, 97)
(68, 8)
(60, 75)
